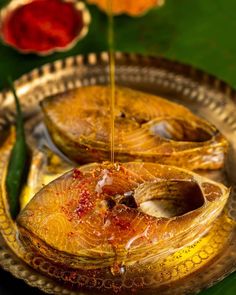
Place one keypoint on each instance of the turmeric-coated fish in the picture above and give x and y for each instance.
(147, 128)
(99, 214)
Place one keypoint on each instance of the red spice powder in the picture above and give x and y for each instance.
(121, 223)
(80, 206)
(42, 25)
(77, 174)
(85, 203)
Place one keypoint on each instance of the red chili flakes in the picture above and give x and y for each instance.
(67, 209)
(121, 223)
(85, 203)
(77, 208)
(77, 174)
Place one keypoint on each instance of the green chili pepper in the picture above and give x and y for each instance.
(18, 160)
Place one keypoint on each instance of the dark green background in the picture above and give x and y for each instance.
(197, 32)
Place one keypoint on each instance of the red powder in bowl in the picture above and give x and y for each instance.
(42, 25)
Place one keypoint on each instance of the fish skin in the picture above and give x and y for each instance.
(69, 222)
(147, 128)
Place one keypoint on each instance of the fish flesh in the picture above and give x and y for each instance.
(101, 214)
(147, 128)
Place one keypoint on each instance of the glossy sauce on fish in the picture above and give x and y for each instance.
(147, 128)
(96, 215)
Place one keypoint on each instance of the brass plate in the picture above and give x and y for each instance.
(193, 268)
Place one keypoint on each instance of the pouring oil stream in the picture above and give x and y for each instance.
(115, 268)
(111, 76)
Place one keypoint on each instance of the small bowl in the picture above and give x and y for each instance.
(15, 4)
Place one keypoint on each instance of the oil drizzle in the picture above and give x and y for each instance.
(111, 76)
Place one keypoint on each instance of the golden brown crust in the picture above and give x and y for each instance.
(147, 128)
(82, 219)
